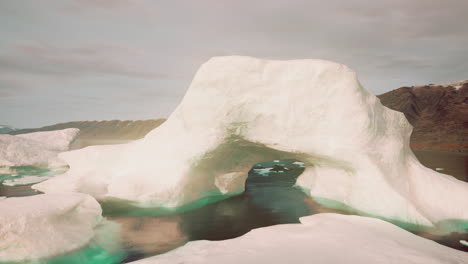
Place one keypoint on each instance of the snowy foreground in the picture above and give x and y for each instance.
(35, 149)
(46, 225)
(321, 238)
(239, 111)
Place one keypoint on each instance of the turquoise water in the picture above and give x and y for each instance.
(93, 254)
(270, 198)
(22, 171)
(25, 175)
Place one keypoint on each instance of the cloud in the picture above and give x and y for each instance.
(46, 59)
(103, 3)
(128, 51)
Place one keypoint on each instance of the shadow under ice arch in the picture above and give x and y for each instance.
(239, 111)
(229, 163)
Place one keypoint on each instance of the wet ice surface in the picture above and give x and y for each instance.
(16, 181)
(270, 198)
(26, 175)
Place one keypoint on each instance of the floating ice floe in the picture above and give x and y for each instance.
(46, 225)
(298, 163)
(263, 171)
(321, 238)
(35, 149)
(240, 111)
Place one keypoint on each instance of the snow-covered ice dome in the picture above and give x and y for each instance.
(321, 239)
(46, 225)
(35, 149)
(241, 110)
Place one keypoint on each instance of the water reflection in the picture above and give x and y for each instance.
(147, 236)
(269, 199)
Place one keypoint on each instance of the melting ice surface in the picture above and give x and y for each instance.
(270, 198)
(24, 175)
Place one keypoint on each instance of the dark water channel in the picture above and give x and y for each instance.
(269, 199)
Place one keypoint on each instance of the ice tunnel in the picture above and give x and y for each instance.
(240, 111)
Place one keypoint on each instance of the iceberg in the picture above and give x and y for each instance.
(46, 225)
(321, 238)
(35, 149)
(240, 111)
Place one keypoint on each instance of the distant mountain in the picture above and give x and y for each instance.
(438, 113)
(102, 132)
(6, 129)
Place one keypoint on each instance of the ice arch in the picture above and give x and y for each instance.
(241, 110)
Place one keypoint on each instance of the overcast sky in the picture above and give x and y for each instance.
(64, 60)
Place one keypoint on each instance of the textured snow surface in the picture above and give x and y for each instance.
(46, 225)
(240, 111)
(322, 238)
(35, 149)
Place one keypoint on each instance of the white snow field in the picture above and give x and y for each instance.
(241, 110)
(320, 239)
(35, 149)
(46, 225)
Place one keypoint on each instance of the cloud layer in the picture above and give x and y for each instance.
(136, 58)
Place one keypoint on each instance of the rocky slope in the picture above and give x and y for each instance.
(102, 132)
(438, 113)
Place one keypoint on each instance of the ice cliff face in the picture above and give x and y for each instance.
(239, 111)
(321, 238)
(35, 149)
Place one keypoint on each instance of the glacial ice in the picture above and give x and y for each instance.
(59, 140)
(35, 149)
(240, 111)
(321, 238)
(46, 225)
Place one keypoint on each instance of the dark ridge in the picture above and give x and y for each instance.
(438, 113)
(102, 132)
